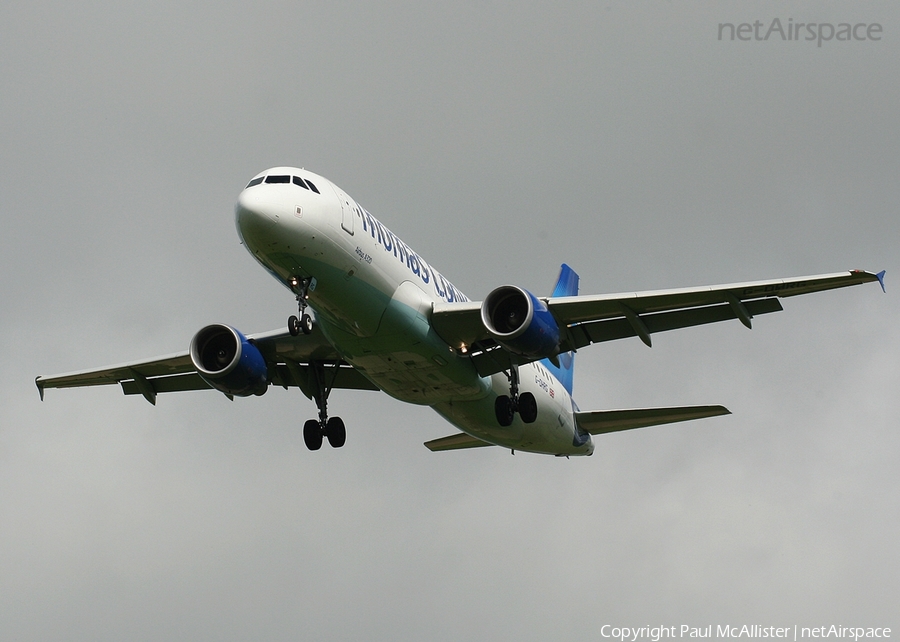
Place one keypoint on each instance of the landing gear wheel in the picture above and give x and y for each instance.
(504, 410)
(527, 407)
(305, 324)
(335, 431)
(312, 434)
(294, 325)
(322, 381)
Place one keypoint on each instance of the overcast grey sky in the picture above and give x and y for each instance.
(498, 140)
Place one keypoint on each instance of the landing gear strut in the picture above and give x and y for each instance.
(304, 322)
(506, 407)
(331, 428)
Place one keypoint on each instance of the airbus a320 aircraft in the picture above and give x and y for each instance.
(500, 370)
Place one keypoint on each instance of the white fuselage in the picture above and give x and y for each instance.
(372, 296)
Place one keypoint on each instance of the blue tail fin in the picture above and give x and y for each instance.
(566, 285)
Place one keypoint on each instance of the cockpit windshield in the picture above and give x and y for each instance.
(285, 178)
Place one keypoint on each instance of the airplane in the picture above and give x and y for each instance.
(500, 370)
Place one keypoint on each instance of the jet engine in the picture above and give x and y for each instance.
(520, 322)
(228, 361)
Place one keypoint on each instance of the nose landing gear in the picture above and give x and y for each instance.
(304, 322)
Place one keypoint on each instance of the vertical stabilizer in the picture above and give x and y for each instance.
(566, 285)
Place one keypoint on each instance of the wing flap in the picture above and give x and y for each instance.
(610, 329)
(602, 421)
(455, 442)
(301, 376)
(279, 346)
(174, 383)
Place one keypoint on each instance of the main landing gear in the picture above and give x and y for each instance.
(331, 428)
(506, 407)
(304, 322)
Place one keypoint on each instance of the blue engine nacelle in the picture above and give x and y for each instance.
(228, 361)
(520, 322)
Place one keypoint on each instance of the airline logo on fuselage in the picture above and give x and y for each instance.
(413, 262)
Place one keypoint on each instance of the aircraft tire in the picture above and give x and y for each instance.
(336, 432)
(293, 325)
(503, 410)
(312, 434)
(527, 407)
(306, 324)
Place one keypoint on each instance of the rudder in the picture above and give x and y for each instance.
(566, 285)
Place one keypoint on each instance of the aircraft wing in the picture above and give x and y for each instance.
(289, 360)
(584, 320)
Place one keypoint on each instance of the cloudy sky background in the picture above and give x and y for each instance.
(498, 140)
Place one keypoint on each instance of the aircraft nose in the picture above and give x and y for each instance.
(255, 210)
(256, 217)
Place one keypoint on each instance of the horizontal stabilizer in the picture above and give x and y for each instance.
(602, 421)
(455, 442)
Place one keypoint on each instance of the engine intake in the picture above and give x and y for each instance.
(228, 361)
(520, 322)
